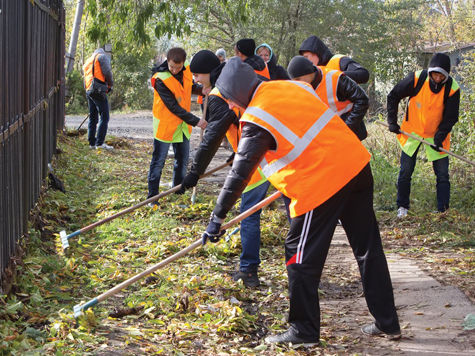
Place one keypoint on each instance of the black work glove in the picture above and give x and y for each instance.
(437, 144)
(230, 158)
(213, 232)
(395, 128)
(190, 181)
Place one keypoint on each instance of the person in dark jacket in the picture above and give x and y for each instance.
(206, 69)
(433, 109)
(244, 49)
(98, 105)
(320, 55)
(276, 71)
(300, 68)
(173, 84)
(313, 157)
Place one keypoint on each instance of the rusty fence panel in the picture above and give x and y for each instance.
(31, 108)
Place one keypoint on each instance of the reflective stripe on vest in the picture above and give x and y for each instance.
(422, 119)
(87, 69)
(334, 62)
(327, 91)
(316, 154)
(233, 135)
(300, 143)
(168, 127)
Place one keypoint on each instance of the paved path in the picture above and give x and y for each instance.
(431, 315)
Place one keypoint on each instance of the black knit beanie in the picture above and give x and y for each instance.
(204, 62)
(246, 46)
(299, 66)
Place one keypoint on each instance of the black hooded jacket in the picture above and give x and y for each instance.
(406, 88)
(347, 89)
(169, 99)
(219, 118)
(257, 63)
(276, 71)
(352, 69)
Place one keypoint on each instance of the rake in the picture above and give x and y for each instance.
(430, 144)
(65, 237)
(205, 108)
(79, 308)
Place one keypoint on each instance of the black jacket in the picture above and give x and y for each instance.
(405, 88)
(276, 71)
(257, 63)
(219, 118)
(169, 99)
(255, 142)
(347, 89)
(351, 68)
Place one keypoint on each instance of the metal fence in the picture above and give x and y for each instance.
(31, 108)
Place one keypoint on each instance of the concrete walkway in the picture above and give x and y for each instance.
(431, 315)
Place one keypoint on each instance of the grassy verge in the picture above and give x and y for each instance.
(192, 306)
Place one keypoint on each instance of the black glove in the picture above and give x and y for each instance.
(190, 181)
(437, 144)
(230, 158)
(213, 232)
(439, 138)
(395, 128)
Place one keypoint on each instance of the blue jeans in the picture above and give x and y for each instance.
(251, 229)
(159, 155)
(441, 170)
(97, 107)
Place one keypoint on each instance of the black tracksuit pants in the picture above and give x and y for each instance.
(306, 248)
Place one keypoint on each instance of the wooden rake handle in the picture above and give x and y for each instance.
(168, 260)
(430, 144)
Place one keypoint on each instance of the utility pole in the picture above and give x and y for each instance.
(74, 37)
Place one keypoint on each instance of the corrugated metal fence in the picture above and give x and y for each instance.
(31, 108)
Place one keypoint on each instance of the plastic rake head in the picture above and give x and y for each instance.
(77, 309)
(64, 239)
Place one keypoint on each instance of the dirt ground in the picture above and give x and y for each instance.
(432, 303)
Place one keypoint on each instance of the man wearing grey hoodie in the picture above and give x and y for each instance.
(326, 180)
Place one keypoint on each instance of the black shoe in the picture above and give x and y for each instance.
(373, 330)
(291, 337)
(249, 279)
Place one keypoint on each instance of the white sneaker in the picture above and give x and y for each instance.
(104, 146)
(402, 212)
(92, 147)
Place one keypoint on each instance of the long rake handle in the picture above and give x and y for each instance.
(179, 254)
(149, 200)
(205, 108)
(430, 144)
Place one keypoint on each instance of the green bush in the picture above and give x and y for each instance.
(76, 101)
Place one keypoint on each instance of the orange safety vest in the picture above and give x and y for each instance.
(265, 72)
(327, 89)
(234, 135)
(168, 127)
(424, 113)
(334, 62)
(316, 153)
(87, 69)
